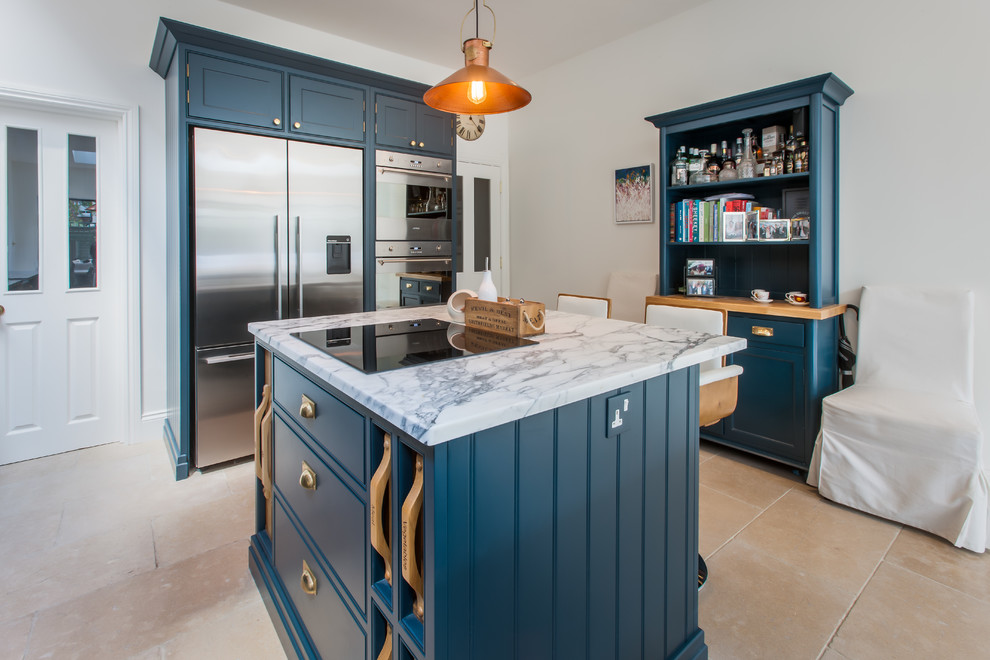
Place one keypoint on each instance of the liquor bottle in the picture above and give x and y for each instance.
(679, 170)
(801, 156)
(701, 175)
(727, 160)
(694, 162)
(714, 163)
(747, 163)
(789, 147)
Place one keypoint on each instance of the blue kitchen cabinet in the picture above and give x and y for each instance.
(326, 109)
(412, 126)
(237, 92)
(539, 538)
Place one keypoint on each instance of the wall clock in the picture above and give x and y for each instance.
(469, 127)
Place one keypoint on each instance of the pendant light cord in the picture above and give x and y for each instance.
(476, 20)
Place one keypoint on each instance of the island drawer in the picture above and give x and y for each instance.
(338, 428)
(766, 330)
(332, 627)
(334, 516)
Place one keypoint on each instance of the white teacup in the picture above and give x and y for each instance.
(796, 297)
(760, 294)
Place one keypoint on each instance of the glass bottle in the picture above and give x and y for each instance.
(694, 162)
(801, 156)
(789, 147)
(726, 155)
(679, 170)
(746, 166)
(714, 163)
(701, 175)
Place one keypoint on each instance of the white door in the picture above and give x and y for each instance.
(62, 330)
(482, 233)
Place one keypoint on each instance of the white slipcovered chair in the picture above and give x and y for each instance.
(719, 384)
(588, 305)
(904, 442)
(628, 291)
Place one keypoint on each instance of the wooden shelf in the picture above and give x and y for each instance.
(744, 305)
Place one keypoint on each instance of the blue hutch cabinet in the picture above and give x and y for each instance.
(790, 364)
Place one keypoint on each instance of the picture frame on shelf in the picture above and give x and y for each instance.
(774, 230)
(752, 225)
(795, 201)
(699, 268)
(699, 286)
(634, 198)
(733, 226)
(800, 228)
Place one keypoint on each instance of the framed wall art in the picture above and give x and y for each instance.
(634, 195)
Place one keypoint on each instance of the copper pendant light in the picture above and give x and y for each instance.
(476, 89)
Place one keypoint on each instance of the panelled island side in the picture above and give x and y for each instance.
(534, 502)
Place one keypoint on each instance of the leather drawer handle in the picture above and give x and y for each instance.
(307, 479)
(259, 416)
(762, 331)
(307, 409)
(308, 580)
(386, 653)
(411, 510)
(380, 523)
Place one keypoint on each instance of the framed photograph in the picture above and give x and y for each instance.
(634, 195)
(733, 226)
(796, 201)
(800, 228)
(700, 286)
(778, 229)
(752, 225)
(700, 268)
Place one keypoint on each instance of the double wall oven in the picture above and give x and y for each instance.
(413, 223)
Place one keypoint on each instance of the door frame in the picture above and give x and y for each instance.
(129, 297)
(504, 286)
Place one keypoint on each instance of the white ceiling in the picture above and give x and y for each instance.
(531, 35)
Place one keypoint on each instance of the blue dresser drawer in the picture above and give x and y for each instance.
(331, 626)
(336, 519)
(767, 330)
(336, 427)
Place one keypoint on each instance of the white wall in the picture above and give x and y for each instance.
(913, 140)
(100, 51)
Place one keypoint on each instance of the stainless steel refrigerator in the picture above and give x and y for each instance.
(278, 234)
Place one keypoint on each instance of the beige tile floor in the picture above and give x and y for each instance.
(104, 555)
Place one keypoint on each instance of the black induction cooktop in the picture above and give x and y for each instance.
(387, 346)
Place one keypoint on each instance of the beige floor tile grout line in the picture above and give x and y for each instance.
(859, 593)
(755, 518)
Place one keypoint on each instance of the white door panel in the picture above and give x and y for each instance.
(62, 333)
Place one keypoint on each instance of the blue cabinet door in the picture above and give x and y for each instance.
(395, 122)
(409, 125)
(435, 129)
(325, 109)
(235, 92)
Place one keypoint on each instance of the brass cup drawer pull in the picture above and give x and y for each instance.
(307, 409)
(429, 288)
(762, 331)
(308, 580)
(307, 479)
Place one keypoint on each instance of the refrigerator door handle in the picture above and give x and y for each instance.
(235, 357)
(299, 287)
(278, 270)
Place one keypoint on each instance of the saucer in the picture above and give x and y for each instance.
(768, 300)
(799, 304)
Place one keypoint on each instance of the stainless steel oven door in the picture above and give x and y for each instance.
(413, 205)
(390, 267)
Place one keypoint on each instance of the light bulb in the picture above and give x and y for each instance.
(477, 93)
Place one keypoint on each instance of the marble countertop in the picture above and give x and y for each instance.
(578, 357)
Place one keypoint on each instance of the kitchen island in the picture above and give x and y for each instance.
(534, 502)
